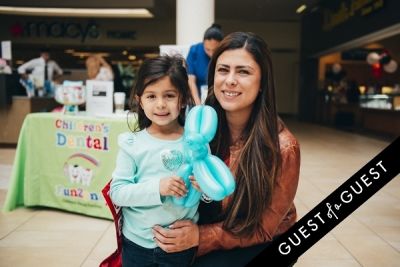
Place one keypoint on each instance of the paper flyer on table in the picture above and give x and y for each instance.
(99, 97)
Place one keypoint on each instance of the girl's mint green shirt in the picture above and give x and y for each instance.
(141, 162)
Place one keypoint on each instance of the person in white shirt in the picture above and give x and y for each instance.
(42, 69)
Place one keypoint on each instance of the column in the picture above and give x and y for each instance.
(193, 17)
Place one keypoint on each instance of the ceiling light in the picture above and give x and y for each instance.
(78, 12)
(151, 55)
(132, 57)
(301, 9)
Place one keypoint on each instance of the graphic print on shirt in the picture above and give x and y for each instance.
(171, 159)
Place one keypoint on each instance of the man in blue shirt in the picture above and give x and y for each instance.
(198, 59)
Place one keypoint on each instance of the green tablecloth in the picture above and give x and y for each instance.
(64, 162)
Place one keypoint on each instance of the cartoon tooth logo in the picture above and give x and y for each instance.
(78, 168)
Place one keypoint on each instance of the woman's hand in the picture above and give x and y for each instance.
(173, 186)
(180, 235)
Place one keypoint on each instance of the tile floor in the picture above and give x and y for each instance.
(368, 237)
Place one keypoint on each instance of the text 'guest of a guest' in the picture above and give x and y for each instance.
(352, 191)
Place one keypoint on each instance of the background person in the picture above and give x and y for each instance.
(98, 69)
(42, 71)
(261, 152)
(198, 58)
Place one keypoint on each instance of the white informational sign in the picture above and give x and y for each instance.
(6, 50)
(99, 97)
(175, 49)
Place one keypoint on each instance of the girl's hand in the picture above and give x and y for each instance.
(195, 184)
(172, 186)
(179, 236)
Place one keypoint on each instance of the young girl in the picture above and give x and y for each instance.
(143, 181)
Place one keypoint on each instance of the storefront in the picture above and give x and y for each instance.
(124, 43)
(121, 41)
(350, 52)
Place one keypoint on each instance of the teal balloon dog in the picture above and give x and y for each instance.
(210, 172)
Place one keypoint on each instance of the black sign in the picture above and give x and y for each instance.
(333, 209)
(129, 35)
(57, 29)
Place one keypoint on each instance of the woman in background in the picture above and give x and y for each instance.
(98, 69)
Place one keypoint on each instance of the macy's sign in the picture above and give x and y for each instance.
(56, 29)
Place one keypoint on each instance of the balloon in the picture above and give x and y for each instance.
(373, 58)
(211, 173)
(391, 66)
(377, 70)
(184, 171)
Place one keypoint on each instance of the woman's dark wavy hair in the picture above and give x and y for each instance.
(259, 162)
(151, 71)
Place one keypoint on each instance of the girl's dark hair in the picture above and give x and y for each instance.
(259, 161)
(153, 70)
(214, 32)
